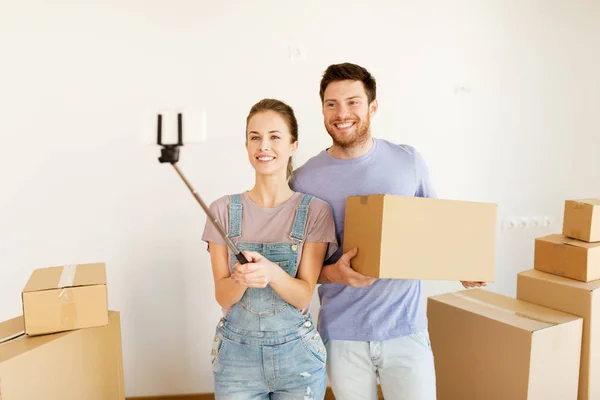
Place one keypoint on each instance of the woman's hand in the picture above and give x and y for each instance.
(258, 273)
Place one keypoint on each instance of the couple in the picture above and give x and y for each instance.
(290, 228)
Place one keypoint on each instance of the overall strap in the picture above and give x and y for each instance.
(301, 218)
(235, 216)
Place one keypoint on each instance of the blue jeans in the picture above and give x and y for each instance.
(404, 366)
(260, 365)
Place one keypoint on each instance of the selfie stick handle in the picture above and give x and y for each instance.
(170, 154)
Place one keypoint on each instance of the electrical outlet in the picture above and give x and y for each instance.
(296, 53)
(509, 224)
(526, 222)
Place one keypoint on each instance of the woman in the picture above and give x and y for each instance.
(266, 345)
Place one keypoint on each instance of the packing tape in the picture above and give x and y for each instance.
(68, 315)
(563, 243)
(506, 310)
(67, 276)
(580, 244)
(63, 295)
(364, 200)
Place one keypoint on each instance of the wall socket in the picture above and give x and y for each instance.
(527, 222)
(296, 53)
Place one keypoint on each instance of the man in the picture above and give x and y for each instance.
(372, 328)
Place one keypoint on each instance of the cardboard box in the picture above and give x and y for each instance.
(75, 365)
(58, 299)
(581, 219)
(577, 298)
(571, 258)
(405, 237)
(489, 346)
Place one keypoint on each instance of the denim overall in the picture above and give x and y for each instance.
(265, 348)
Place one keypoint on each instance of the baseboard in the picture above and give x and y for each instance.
(205, 396)
(210, 396)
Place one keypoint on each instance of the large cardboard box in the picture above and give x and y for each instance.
(489, 346)
(571, 258)
(74, 365)
(581, 219)
(58, 299)
(405, 237)
(573, 297)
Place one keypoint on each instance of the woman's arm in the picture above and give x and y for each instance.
(297, 291)
(227, 291)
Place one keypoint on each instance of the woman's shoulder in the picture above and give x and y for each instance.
(220, 202)
(227, 198)
(321, 224)
(317, 205)
(313, 199)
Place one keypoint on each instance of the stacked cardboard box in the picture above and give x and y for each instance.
(67, 344)
(489, 346)
(566, 277)
(545, 344)
(64, 298)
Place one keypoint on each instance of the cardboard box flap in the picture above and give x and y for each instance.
(563, 240)
(24, 343)
(517, 313)
(11, 329)
(66, 276)
(85, 364)
(589, 202)
(20, 344)
(590, 286)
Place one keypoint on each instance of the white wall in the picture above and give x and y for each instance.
(498, 96)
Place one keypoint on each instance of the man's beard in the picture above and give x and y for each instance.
(359, 135)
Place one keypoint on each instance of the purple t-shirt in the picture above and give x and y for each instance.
(388, 308)
(274, 224)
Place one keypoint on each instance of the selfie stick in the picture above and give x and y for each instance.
(170, 154)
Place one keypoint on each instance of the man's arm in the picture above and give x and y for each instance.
(341, 272)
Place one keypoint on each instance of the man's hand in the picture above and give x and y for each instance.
(471, 284)
(258, 273)
(342, 272)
